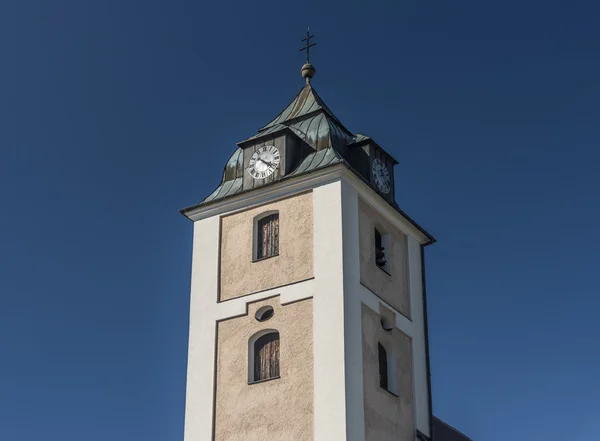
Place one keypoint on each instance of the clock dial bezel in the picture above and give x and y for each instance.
(381, 176)
(264, 162)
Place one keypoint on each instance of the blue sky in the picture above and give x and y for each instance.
(115, 114)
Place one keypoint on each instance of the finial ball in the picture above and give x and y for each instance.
(308, 71)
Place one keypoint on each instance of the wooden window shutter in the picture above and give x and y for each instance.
(383, 369)
(266, 357)
(268, 236)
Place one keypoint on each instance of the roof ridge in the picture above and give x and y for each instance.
(278, 119)
(329, 111)
(305, 102)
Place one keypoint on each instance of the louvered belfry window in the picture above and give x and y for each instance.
(383, 368)
(268, 236)
(266, 357)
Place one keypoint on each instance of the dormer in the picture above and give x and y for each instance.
(374, 164)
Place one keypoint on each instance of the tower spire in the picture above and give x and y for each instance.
(308, 70)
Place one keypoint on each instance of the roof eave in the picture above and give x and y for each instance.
(369, 140)
(430, 239)
(261, 136)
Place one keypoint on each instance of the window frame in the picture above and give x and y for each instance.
(384, 243)
(255, 235)
(384, 373)
(390, 385)
(252, 354)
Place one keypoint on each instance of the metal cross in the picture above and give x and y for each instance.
(308, 45)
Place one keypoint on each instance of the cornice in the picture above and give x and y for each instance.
(302, 183)
(266, 194)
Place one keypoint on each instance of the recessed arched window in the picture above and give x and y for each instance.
(266, 234)
(264, 356)
(383, 367)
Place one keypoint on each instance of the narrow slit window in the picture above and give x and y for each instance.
(268, 236)
(380, 251)
(266, 357)
(383, 367)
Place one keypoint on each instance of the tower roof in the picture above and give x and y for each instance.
(309, 118)
(306, 102)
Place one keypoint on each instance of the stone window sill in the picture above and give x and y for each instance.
(265, 258)
(389, 392)
(383, 269)
(263, 381)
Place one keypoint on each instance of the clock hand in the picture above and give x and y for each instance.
(269, 164)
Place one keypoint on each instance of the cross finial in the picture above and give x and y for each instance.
(308, 45)
(308, 71)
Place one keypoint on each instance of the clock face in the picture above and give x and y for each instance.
(264, 162)
(381, 176)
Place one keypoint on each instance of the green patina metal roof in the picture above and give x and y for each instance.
(306, 102)
(308, 118)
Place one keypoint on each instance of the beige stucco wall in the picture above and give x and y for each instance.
(393, 287)
(240, 276)
(387, 418)
(280, 409)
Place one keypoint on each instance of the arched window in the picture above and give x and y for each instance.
(383, 367)
(266, 356)
(267, 236)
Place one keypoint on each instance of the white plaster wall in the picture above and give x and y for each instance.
(355, 412)
(328, 325)
(200, 370)
(419, 349)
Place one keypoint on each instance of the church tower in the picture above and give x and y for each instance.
(308, 318)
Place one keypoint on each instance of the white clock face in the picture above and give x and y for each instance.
(381, 176)
(264, 162)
